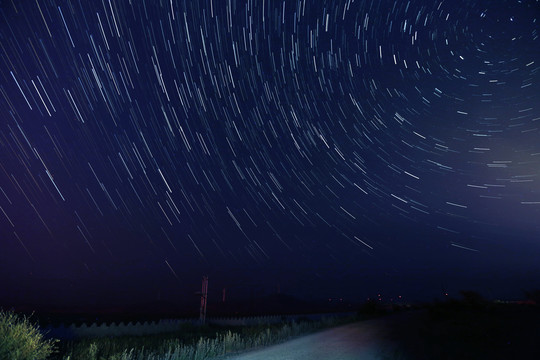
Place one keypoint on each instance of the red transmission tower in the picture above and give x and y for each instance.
(204, 297)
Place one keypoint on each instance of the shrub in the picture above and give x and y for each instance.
(21, 340)
(370, 308)
(473, 299)
(533, 295)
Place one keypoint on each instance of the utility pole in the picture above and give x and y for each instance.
(204, 297)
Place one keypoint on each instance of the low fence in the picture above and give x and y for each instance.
(170, 325)
(114, 329)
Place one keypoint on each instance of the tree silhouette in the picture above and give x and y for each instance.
(533, 295)
(472, 298)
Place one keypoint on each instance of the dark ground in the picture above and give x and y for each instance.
(456, 330)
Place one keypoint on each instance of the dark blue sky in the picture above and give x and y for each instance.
(336, 148)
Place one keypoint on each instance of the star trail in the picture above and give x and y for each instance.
(181, 138)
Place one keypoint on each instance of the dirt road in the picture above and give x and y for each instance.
(358, 341)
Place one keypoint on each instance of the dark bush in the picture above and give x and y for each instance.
(533, 295)
(472, 298)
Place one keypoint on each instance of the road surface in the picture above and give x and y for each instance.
(363, 340)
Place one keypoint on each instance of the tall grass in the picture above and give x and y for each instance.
(21, 340)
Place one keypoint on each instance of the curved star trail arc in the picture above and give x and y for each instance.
(239, 130)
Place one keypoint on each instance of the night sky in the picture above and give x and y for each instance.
(321, 148)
